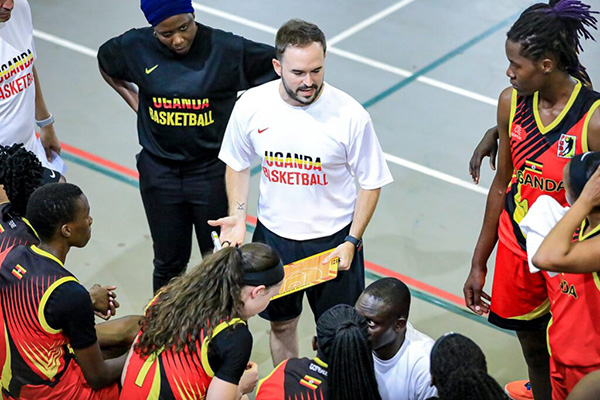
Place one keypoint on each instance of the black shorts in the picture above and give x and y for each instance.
(344, 289)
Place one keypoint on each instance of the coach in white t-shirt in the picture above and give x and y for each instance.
(400, 352)
(21, 100)
(315, 142)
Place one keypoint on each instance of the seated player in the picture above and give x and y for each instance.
(400, 352)
(575, 293)
(456, 363)
(343, 368)
(194, 337)
(21, 173)
(48, 344)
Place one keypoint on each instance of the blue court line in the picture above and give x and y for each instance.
(442, 60)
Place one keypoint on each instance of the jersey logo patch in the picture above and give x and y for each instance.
(517, 132)
(566, 146)
(149, 70)
(1, 229)
(262, 130)
(19, 271)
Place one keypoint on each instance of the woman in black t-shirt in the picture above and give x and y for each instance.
(182, 79)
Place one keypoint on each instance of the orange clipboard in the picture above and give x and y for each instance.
(309, 271)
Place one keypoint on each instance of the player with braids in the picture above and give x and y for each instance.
(194, 335)
(472, 384)
(545, 118)
(343, 368)
(450, 352)
(20, 174)
(569, 56)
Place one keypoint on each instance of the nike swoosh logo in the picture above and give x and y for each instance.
(262, 130)
(52, 174)
(149, 70)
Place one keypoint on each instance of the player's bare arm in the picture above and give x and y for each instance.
(558, 252)
(366, 201)
(48, 136)
(99, 373)
(473, 288)
(127, 90)
(487, 147)
(233, 227)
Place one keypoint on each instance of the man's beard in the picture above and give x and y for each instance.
(302, 100)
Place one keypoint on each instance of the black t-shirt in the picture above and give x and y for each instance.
(69, 308)
(229, 353)
(185, 101)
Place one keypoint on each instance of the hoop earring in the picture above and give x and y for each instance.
(154, 33)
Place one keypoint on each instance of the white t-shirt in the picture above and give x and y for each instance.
(406, 376)
(17, 88)
(311, 158)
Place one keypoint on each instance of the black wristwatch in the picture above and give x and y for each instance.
(356, 242)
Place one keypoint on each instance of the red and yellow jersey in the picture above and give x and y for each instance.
(539, 155)
(35, 359)
(15, 230)
(573, 331)
(167, 374)
(294, 379)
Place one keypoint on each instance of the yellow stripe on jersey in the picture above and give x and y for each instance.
(45, 297)
(584, 132)
(204, 349)
(6, 376)
(545, 129)
(513, 109)
(150, 360)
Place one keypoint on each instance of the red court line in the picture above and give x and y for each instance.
(100, 161)
(250, 219)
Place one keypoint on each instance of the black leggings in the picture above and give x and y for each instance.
(177, 196)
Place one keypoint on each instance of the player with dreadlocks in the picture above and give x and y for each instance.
(488, 146)
(544, 119)
(343, 368)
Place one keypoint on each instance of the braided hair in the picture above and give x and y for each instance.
(451, 352)
(21, 174)
(555, 29)
(472, 384)
(342, 338)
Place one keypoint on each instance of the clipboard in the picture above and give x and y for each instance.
(307, 272)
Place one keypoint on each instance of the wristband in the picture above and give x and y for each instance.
(356, 242)
(45, 122)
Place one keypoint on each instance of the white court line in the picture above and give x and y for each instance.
(435, 173)
(391, 158)
(367, 22)
(65, 43)
(354, 57)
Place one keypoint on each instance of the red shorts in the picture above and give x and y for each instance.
(519, 298)
(564, 378)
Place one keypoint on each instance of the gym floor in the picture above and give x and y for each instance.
(428, 71)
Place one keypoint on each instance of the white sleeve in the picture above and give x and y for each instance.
(237, 150)
(366, 159)
(421, 381)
